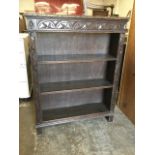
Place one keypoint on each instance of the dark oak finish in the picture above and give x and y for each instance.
(72, 119)
(76, 66)
(59, 87)
(82, 24)
(72, 72)
(73, 111)
(74, 58)
(36, 90)
(72, 98)
(109, 118)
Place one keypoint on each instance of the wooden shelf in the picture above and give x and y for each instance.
(76, 64)
(73, 119)
(74, 58)
(74, 111)
(68, 86)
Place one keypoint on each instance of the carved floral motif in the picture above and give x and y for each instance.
(31, 25)
(76, 25)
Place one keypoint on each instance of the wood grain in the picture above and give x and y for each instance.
(57, 87)
(71, 72)
(77, 66)
(74, 58)
(72, 119)
(71, 98)
(127, 90)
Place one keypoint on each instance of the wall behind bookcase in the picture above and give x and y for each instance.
(121, 6)
(26, 5)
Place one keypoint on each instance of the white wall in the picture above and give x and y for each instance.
(124, 6)
(26, 5)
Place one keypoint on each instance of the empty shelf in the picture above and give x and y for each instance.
(74, 58)
(59, 87)
(74, 111)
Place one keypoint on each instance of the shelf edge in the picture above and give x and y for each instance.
(74, 61)
(71, 90)
(72, 119)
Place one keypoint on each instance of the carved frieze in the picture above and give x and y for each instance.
(76, 25)
(31, 24)
(57, 24)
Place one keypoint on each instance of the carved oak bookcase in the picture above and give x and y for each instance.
(76, 65)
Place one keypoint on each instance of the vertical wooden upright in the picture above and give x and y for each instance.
(127, 90)
(76, 64)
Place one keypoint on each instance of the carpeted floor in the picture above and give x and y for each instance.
(89, 137)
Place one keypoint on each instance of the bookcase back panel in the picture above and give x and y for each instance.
(71, 43)
(71, 72)
(71, 99)
(76, 66)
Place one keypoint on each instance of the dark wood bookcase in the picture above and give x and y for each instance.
(76, 65)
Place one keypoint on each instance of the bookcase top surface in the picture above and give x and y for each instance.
(35, 15)
(86, 24)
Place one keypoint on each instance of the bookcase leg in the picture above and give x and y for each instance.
(109, 118)
(39, 131)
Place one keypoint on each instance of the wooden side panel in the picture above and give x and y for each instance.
(127, 90)
(60, 88)
(117, 72)
(36, 89)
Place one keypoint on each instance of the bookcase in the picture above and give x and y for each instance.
(76, 65)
